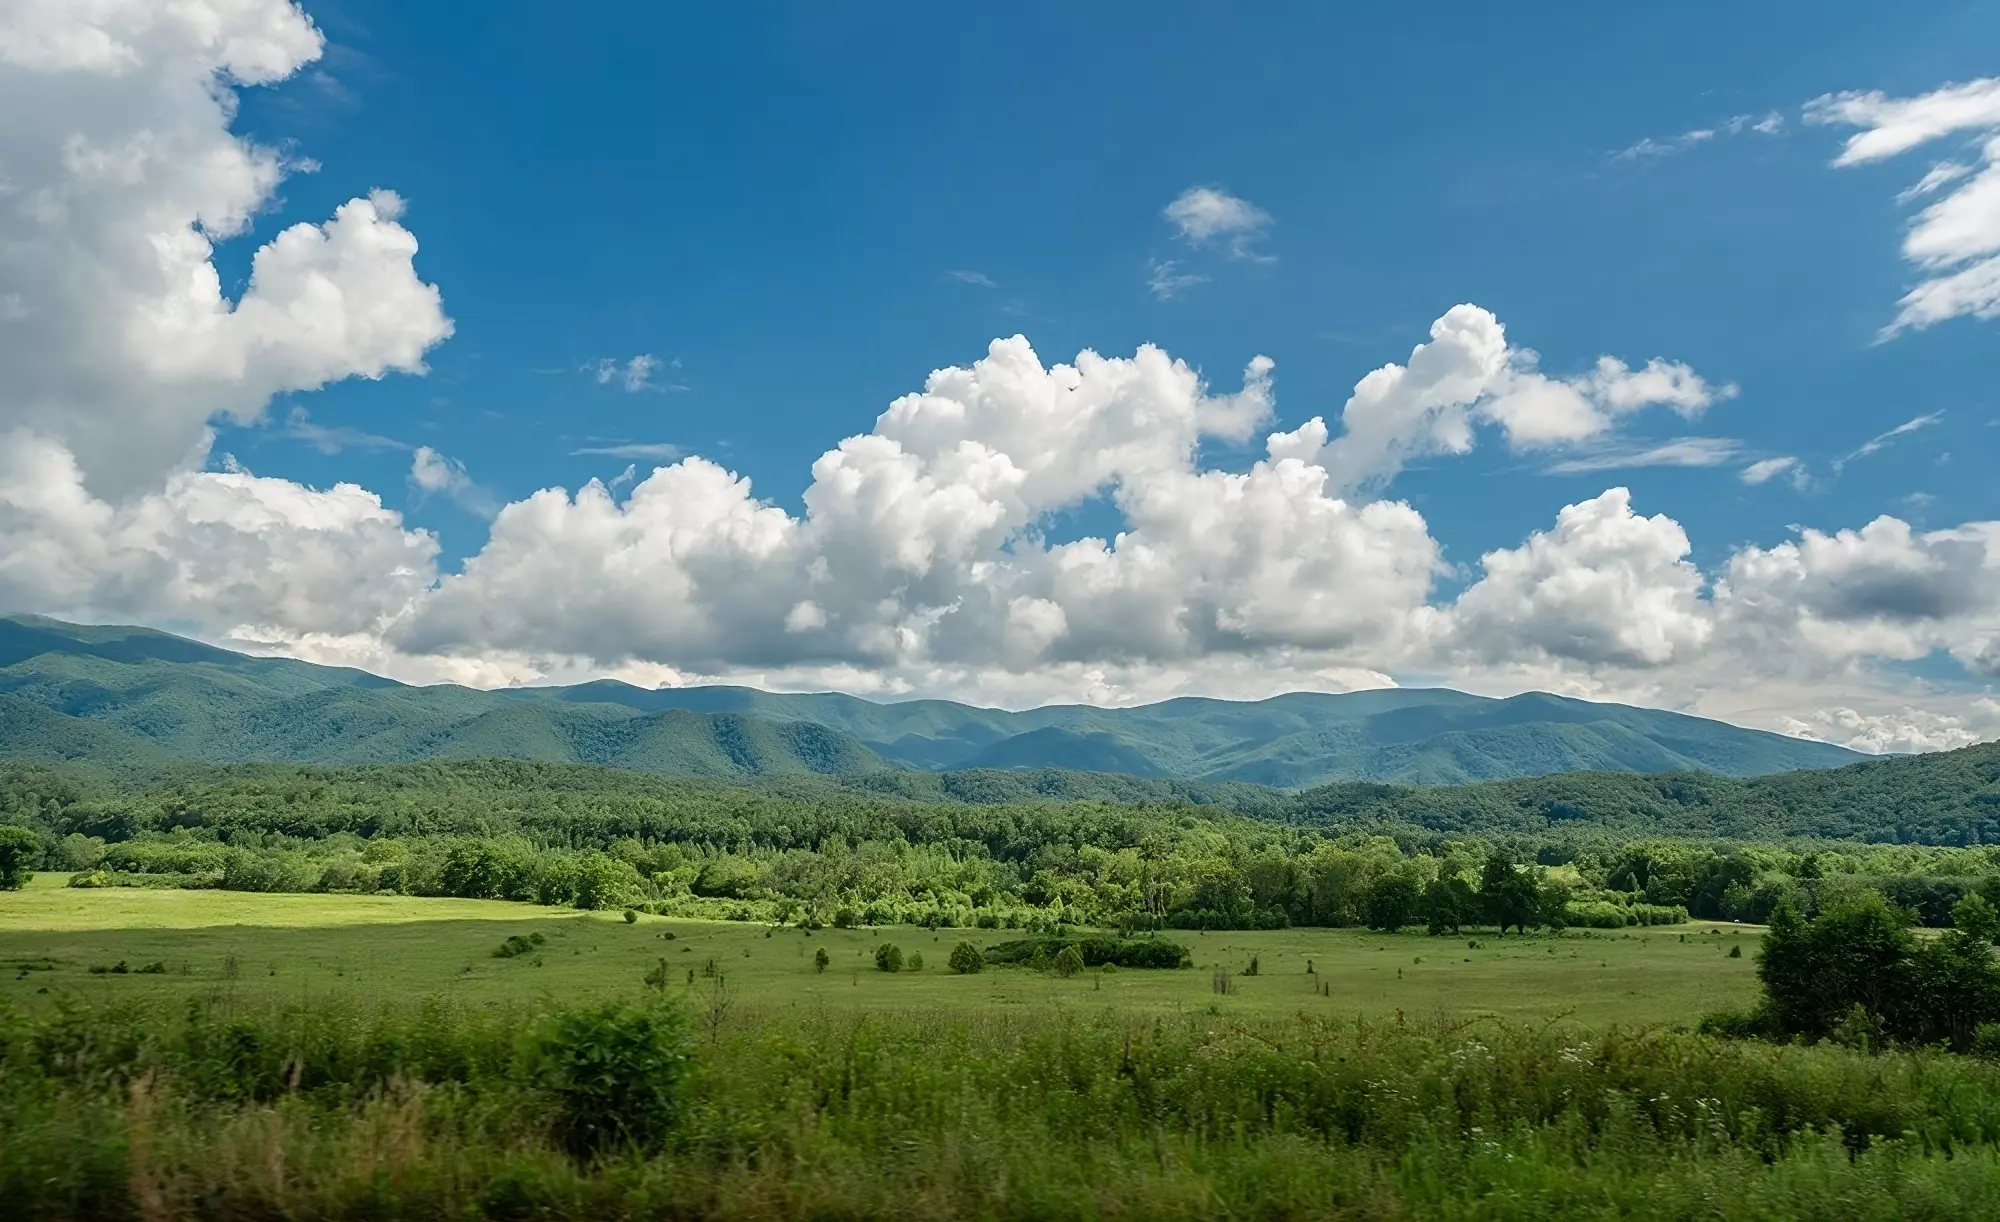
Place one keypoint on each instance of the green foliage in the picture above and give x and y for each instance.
(519, 944)
(965, 959)
(20, 852)
(821, 959)
(114, 1112)
(614, 1072)
(1391, 902)
(889, 957)
(565, 835)
(1068, 962)
(1449, 905)
(1856, 973)
(1125, 952)
(1509, 894)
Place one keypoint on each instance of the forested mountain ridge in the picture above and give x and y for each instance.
(1948, 798)
(69, 691)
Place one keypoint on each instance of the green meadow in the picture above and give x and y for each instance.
(381, 948)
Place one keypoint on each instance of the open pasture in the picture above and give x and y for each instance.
(389, 948)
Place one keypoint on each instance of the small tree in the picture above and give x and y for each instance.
(889, 957)
(915, 963)
(966, 959)
(821, 959)
(20, 852)
(1068, 963)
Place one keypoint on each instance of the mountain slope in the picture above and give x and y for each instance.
(164, 695)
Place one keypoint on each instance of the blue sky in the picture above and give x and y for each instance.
(647, 233)
(777, 198)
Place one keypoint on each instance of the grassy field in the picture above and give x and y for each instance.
(367, 948)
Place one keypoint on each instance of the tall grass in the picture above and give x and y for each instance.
(221, 1111)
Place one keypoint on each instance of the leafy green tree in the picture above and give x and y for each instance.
(20, 852)
(821, 959)
(966, 959)
(1508, 894)
(889, 957)
(1449, 905)
(1815, 972)
(1976, 917)
(1068, 962)
(1391, 902)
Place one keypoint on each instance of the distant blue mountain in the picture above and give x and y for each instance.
(69, 691)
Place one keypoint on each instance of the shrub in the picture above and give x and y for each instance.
(965, 959)
(614, 1072)
(916, 962)
(1125, 952)
(1068, 962)
(889, 957)
(518, 944)
(821, 959)
(631, 917)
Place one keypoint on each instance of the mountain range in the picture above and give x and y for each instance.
(139, 696)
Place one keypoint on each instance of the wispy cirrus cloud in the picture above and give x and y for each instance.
(1954, 243)
(1770, 123)
(978, 280)
(332, 439)
(634, 374)
(1167, 281)
(1679, 452)
(656, 451)
(1764, 470)
(1882, 441)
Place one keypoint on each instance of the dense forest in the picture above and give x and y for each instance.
(1033, 849)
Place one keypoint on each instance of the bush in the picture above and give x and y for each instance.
(915, 962)
(615, 1072)
(889, 957)
(965, 959)
(631, 916)
(518, 944)
(1068, 962)
(821, 959)
(1125, 952)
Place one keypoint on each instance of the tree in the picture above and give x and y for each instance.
(1975, 917)
(966, 959)
(1859, 953)
(889, 957)
(1508, 894)
(1068, 963)
(821, 959)
(1449, 904)
(20, 852)
(1391, 902)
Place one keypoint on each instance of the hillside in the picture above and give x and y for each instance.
(132, 694)
(1949, 798)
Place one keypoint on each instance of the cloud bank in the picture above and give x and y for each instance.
(920, 559)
